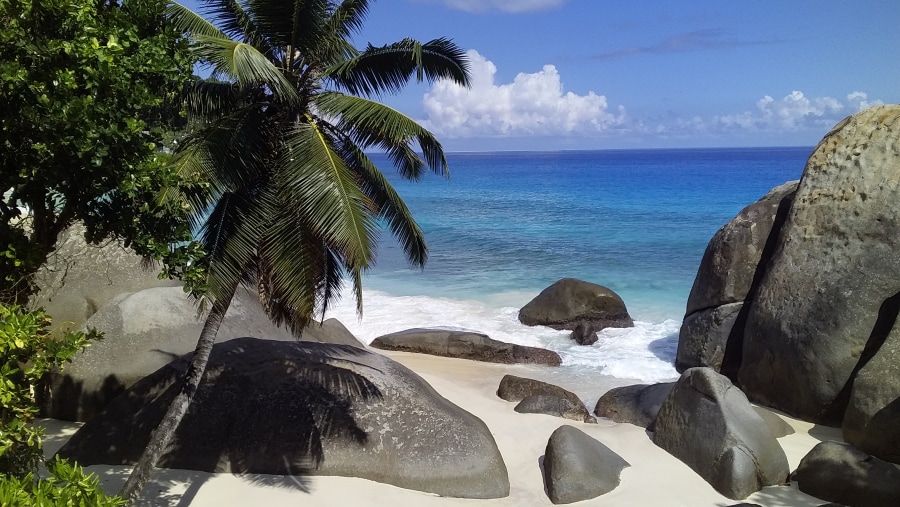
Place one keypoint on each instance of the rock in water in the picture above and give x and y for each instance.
(577, 467)
(569, 302)
(464, 345)
(584, 334)
(288, 408)
(708, 424)
(837, 472)
(825, 301)
(724, 279)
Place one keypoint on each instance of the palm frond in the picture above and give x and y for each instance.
(245, 65)
(232, 234)
(236, 22)
(391, 207)
(211, 100)
(289, 272)
(190, 22)
(324, 190)
(372, 124)
(386, 69)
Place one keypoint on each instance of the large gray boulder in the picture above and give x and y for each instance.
(837, 472)
(464, 345)
(289, 408)
(79, 278)
(824, 304)
(709, 425)
(578, 467)
(570, 302)
(727, 272)
(636, 404)
(144, 331)
(872, 420)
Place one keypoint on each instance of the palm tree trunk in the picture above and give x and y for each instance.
(163, 434)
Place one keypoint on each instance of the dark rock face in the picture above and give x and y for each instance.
(584, 334)
(704, 337)
(569, 302)
(288, 408)
(144, 331)
(577, 467)
(464, 345)
(555, 406)
(837, 472)
(724, 279)
(638, 404)
(872, 420)
(708, 424)
(831, 292)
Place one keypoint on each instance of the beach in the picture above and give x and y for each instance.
(654, 477)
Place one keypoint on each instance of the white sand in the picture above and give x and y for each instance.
(654, 478)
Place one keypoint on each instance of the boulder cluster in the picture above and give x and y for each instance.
(796, 302)
(794, 308)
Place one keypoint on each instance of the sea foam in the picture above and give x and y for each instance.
(644, 352)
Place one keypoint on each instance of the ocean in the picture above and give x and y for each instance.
(508, 224)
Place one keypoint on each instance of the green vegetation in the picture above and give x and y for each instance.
(26, 353)
(283, 194)
(90, 88)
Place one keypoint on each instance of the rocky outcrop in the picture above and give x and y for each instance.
(578, 467)
(709, 425)
(872, 420)
(555, 406)
(569, 302)
(146, 330)
(288, 408)
(637, 404)
(79, 278)
(464, 345)
(837, 472)
(728, 270)
(830, 294)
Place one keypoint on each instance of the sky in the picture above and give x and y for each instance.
(611, 74)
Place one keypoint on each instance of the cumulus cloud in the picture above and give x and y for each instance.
(796, 112)
(502, 5)
(533, 104)
(860, 101)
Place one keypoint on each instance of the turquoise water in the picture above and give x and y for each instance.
(507, 225)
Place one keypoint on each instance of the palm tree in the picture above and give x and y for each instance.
(286, 200)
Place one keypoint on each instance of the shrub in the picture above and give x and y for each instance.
(27, 353)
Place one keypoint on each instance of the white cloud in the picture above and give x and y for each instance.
(860, 101)
(531, 105)
(792, 112)
(502, 5)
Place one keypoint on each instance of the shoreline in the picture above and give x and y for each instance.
(654, 477)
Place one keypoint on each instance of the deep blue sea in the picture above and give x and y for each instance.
(508, 224)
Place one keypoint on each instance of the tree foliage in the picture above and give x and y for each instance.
(282, 192)
(27, 352)
(88, 87)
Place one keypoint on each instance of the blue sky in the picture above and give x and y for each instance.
(607, 74)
